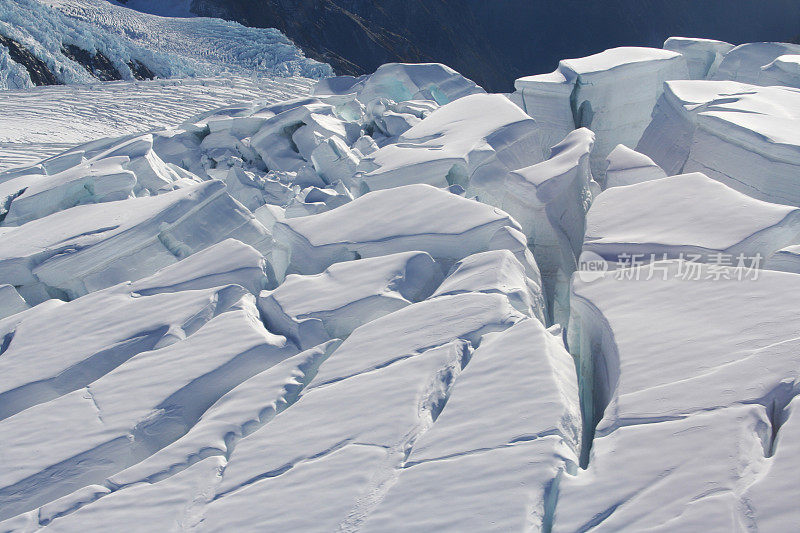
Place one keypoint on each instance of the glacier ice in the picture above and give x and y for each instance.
(742, 135)
(133, 410)
(312, 309)
(10, 301)
(331, 312)
(313, 200)
(612, 93)
(404, 399)
(412, 217)
(687, 216)
(412, 330)
(703, 56)
(765, 496)
(511, 428)
(93, 246)
(86, 112)
(474, 137)
(657, 401)
(784, 70)
(125, 170)
(549, 199)
(745, 63)
(167, 47)
(626, 167)
(116, 325)
(786, 259)
(497, 271)
(401, 82)
(229, 262)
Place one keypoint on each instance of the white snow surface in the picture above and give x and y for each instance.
(743, 135)
(746, 62)
(786, 259)
(468, 140)
(693, 382)
(376, 304)
(32, 127)
(685, 215)
(626, 167)
(210, 45)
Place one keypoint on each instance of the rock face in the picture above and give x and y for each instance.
(37, 70)
(398, 303)
(492, 43)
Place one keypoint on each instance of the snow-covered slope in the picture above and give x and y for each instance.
(213, 45)
(398, 303)
(44, 42)
(32, 127)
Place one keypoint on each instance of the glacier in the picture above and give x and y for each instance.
(740, 134)
(397, 302)
(78, 41)
(701, 420)
(686, 215)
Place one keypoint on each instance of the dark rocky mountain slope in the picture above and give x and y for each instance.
(494, 42)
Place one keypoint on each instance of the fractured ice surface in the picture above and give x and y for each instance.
(703, 56)
(784, 70)
(401, 82)
(407, 380)
(404, 400)
(114, 326)
(742, 135)
(315, 308)
(413, 217)
(497, 271)
(226, 263)
(330, 313)
(476, 136)
(415, 328)
(94, 246)
(669, 366)
(612, 93)
(549, 200)
(10, 301)
(123, 170)
(115, 403)
(626, 167)
(511, 428)
(686, 215)
(745, 63)
(774, 513)
(786, 259)
(313, 200)
(247, 407)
